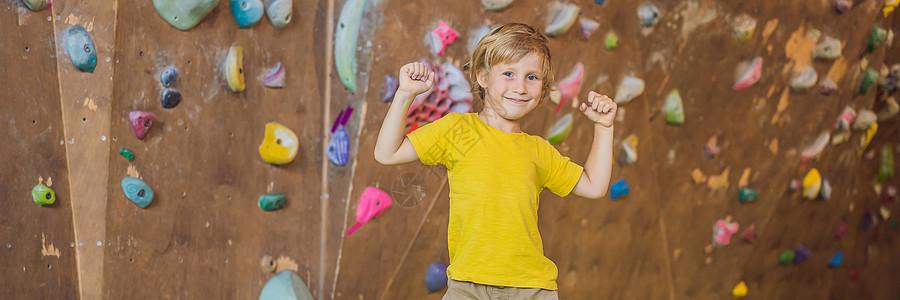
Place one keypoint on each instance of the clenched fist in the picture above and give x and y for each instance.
(415, 78)
(599, 109)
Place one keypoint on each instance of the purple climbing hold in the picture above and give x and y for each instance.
(170, 98)
(869, 220)
(339, 147)
(436, 278)
(828, 86)
(141, 122)
(801, 254)
(842, 6)
(619, 189)
(390, 87)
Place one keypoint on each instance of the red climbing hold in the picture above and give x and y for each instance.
(141, 122)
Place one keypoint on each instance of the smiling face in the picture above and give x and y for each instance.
(513, 89)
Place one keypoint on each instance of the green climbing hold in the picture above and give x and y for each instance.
(37, 5)
(285, 285)
(747, 195)
(674, 108)
(611, 41)
(876, 38)
(126, 153)
(886, 166)
(868, 81)
(786, 257)
(894, 223)
(271, 202)
(184, 14)
(345, 36)
(137, 191)
(43, 195)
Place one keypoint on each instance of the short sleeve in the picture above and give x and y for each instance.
(563, 174)
(430, 141)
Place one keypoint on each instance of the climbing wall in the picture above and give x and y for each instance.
(36, 242)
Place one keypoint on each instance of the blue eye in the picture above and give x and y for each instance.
(507, 74)
(532, 77)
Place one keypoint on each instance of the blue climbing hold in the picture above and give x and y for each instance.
(599, 1)
(339, 147)
(619, 189)
(81, 48)
(137, 191)
(436, 279)
(285, 285)
(836, 260)
(246, 12)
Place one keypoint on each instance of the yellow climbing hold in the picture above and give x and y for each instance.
(811, 184)
(889, 6)
(234, 69)
(740, 290)
(866, 139)
(280, 144)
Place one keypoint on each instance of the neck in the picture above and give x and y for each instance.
(490, 117)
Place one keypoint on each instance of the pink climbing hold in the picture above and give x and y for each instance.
(440, 37)
(372, 203)
(571, 85)
(840, 230)
(750, 75)
(723, 230)
(141, 122)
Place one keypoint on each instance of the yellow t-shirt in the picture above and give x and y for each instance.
(495, 182)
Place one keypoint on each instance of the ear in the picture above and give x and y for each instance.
(481, 77)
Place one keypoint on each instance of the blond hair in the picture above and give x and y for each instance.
(506, 44)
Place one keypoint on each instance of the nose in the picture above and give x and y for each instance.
(518, 86)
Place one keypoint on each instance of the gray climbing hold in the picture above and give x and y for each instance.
(170, 98)
(649, 14)
(285, 285)
(184, 14)
(279, 12)
(168, 76)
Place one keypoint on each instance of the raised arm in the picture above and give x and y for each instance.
(594, 181)
(392, 146)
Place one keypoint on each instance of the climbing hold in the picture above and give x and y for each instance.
(170, 98)
(563, 19)
(440, 37)
(345, 36)
(830, 48)
(674, 108)
(272, 202)
(722, 231)
(184, 14)
(844, 120)
(628, 150)
(795, 185)
(825, 192)
(828, 86)
(38, 5)
(168, 76)
(372, 203)
(339, 147)
(126, 153)
(886, 165)
(890, 195)
(749, 74)
(836, 260)
(279, 145)
(840, 230)
(391, 84)
(805, 80)
(866, 139)
(801, 254)
(285, 285)
(234, 69)
(246, 12)
(495, 5)
(876, 38)
(889, 6)
(842, 6)
(890, 81)
(137, 191)
(619, 189)
(571, 85)
(436, 278)
(43, 195)
(888, 110)
(588, 26)
(274, 77)
(854, 274)
(864, 120)
(786, 257)
(814, 150)
(649, 14)
(895, 223)
(746, 195)
(710, 151)
(560, 129)
(630, 88)
(611, 41)
(279, 12)
(141, 122)
(269, 264)
(740, 290)
(811, 184)
(869, 221)
(885, 213)
(81, 49)
(868, 81)
(744, 26)
(749, 234)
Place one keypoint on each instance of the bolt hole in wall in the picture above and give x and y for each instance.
(83, 119)
(26, 49)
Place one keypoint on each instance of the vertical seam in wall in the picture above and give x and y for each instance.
(326, 113)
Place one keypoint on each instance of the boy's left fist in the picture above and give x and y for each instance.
(600, 109)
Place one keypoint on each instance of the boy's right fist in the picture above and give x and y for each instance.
(415, 78)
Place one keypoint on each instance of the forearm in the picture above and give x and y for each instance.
(392, 129)
(598, 166)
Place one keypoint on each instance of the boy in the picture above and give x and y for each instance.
(496, 172)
